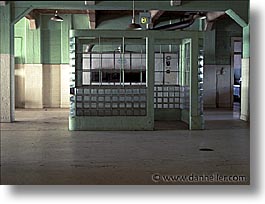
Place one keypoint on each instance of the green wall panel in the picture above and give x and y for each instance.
(47, 24)
(167, 114)
(50, 40)
(65, 27)
(33, 45)
(5, 29)
(49, 43)
(20, 38)
(80, 21)
(27, 43)
(51, 47)
(116, 23)
(209, 47)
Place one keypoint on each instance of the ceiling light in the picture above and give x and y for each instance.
(133, 25)
(56, 17)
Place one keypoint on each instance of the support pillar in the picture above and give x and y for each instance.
(150, 64)
(6, 65)
(244, 115)
(195, 118)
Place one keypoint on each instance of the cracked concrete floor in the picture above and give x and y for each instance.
(39, 149)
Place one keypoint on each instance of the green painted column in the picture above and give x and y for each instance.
(246, 53)
(209, 47)
(195, 119)
(6, 64)
(150, 64)
(79, 64)
(65, 27)
(245, 76)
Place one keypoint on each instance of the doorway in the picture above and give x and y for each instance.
(236, 56)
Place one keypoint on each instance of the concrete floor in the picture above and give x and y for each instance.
(39, 149)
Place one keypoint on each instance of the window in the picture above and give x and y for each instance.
(114, 62)
(187, 63)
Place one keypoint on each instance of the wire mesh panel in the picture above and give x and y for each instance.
(185, 99)
(111, 101)
(167, 96)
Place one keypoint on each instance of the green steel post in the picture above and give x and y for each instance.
(246, 42)
(78, 63)
(150, 64)
(6, 64)
(195, 120)
(245, 102)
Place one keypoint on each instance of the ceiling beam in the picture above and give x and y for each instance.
(32, 17)
(236, 18)
(92, 18)
(209, 25)
(212, 16)
(175, 2)
(89, 2)
(155, 15)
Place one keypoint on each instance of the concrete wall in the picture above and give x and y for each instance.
(209, 86)
(20, 86)
(41, 86)
(51, 86)
(65, 84)
(5, 91)
(33, 85)
(218, 86)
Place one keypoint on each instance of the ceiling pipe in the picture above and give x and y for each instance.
(178, 25)
(181, 24)
(133, 25)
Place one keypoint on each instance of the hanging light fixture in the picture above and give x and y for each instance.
(56, 17)
(133, 25)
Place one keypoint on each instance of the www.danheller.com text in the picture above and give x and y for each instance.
(198, 178)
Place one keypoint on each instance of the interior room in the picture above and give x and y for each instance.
(124, 92)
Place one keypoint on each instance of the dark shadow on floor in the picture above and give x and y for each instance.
(171, 125)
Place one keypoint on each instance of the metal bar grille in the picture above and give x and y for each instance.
(171, 96)
(111, 101)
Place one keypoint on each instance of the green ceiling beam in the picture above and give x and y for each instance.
(236, 18)
(239, 6)
(20, 12)
(139, 5)
(158, 34)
